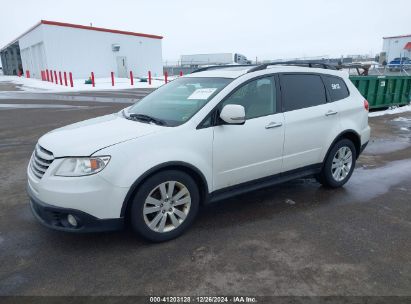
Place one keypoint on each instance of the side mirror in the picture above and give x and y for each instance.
(233, 114)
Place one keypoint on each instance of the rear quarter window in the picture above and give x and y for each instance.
(336, 87)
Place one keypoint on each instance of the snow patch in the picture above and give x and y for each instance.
(401, 119)
(390, 111)
(36, 85)
(290, 201)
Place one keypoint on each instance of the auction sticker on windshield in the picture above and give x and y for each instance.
(202, 93)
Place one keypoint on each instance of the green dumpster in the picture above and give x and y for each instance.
(384, 91)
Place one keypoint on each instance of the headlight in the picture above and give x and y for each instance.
(80, 166)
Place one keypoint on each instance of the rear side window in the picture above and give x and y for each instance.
(301, 91)
(336, 87)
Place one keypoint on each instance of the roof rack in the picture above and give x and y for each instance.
(310, 64)
(216, 67)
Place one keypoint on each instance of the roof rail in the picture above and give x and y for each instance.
(310, 64)
(216, 67)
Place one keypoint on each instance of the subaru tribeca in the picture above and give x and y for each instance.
(198, 139)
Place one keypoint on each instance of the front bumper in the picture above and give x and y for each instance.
(56, 218)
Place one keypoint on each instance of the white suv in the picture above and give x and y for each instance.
(200, 138)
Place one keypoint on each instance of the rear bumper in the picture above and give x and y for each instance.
(365, 136)
(56, 218)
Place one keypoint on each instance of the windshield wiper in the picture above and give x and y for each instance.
(147, 118)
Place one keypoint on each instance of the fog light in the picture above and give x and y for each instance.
(72, 220)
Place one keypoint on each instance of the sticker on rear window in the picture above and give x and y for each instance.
(202, 93)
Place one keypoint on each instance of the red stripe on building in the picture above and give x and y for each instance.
(99, 29)
(84, 27)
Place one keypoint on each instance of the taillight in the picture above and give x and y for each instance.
(366, 105)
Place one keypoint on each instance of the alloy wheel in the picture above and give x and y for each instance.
(167, 206)
(342, 163)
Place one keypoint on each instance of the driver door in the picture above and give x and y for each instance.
(253, 150)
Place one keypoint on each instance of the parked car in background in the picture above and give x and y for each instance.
(399, 63)
(201, 138)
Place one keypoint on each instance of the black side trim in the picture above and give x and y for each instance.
(156, 169)
(264, 182)
(363, 147)
(56, 218)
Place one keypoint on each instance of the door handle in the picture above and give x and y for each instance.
(331, 112)
(273, 125)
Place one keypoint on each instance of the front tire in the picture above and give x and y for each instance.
(164, 206)
(339, 164)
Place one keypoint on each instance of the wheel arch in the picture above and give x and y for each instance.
(189, 169)
(347, 134)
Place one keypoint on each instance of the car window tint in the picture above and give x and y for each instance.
(336, 87)
(258, 97)
(302, 91)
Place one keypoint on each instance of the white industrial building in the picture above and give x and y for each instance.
(396, 46)
(81, 50)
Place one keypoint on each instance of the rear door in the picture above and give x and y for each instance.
(311, 122)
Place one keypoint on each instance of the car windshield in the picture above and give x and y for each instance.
(175, 103)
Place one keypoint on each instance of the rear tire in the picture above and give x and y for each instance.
(339, 164)
(164, 206)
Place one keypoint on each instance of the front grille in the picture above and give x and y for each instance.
(40, 161)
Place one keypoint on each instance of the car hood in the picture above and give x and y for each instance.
(86, 137)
